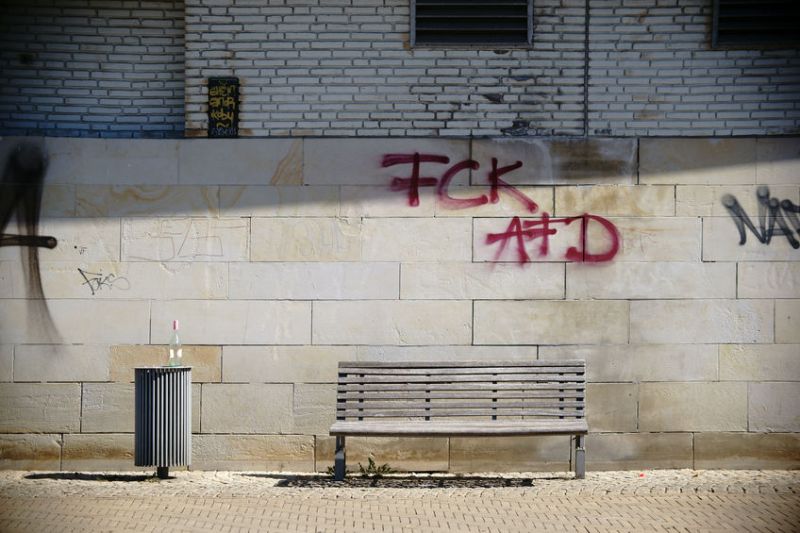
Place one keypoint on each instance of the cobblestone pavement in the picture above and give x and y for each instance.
(662, 500)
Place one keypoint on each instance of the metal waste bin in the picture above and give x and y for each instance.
(163, 417)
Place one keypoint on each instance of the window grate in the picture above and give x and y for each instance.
(472, 22)
(755, 23)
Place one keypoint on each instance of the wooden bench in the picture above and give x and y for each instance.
(460, 399)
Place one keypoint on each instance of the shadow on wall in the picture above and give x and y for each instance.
(22, 187)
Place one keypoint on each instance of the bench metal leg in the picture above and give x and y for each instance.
(339, 465)
(580, 457)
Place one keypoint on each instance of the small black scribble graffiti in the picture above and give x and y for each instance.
(96, 281)
(21, 195)
(771, 213)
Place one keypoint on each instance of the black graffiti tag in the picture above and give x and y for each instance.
(775, 217)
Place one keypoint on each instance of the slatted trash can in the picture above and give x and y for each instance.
(163, 417)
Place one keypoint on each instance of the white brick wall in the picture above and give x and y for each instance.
(344, 68)
(110, 68)
(652, 72)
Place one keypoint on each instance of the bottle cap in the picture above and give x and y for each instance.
(175, 324)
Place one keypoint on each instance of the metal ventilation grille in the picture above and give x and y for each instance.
(472, 22)
(752, 22)
(163, 416)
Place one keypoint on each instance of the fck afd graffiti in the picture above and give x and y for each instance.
(520, 232)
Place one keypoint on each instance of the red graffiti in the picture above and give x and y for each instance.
(518, 231)
(529, 230)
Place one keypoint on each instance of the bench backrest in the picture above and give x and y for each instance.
(487, 390)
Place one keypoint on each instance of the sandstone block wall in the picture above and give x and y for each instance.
(281, 257)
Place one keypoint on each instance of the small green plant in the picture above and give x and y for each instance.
(373, 470)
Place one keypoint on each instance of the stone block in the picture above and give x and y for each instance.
(6, 362)
(247, 408)
(306, 239)
(112, 161)
(379, 201)
(185, 239)
(99, 452)
(769, 280)
(508, 205)
(79, 239)
(406, 454)
(278, 201)
(510, 454)
(490, 246)
(774, 407)
(234, 321)
(61, 363)
(360, 161)
(721, 240)
(10, 272)
(314, 281)
(710, 161)
(558, 161)
(650, 239)
(270, 453)
(640, 362)
(146, 200)
(532, 322)
(283, 364)
(479, 281)
(393, 322)
(651, 280)
(778, 160)
(612, 407)
(787, 321)
(748, 451)
(701, 321)
(40, 408)
(693, 406)
(107, 408)
(446, 353)
(241, 161)
(76, 321)
(759, 362)
(197, 401)
(638, 451)
(314, 408)
(30, 452)
(416, 239)
(206, 361)
(129, 280)
(706, 200)
(616, 201)
(58, 201)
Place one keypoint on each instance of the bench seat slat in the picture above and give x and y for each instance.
(460, 428)
(457, 395)
(528, 369)
(343, 405)
(440, 413)
(459, 386)
(479, 378)
(457, 364)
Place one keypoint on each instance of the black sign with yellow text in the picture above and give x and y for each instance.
(223, 107)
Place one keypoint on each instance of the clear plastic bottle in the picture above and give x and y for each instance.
(175, 348)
